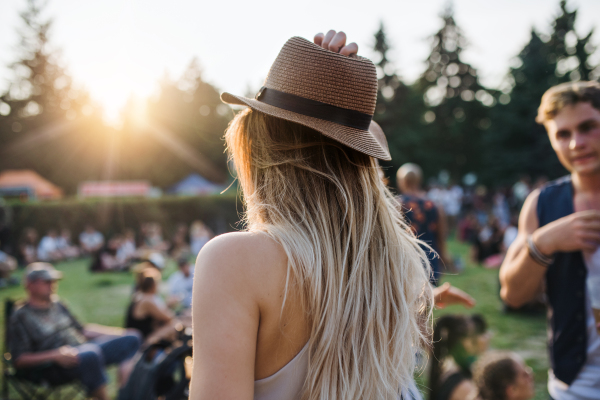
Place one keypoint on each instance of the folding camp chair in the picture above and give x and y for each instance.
(29, 385)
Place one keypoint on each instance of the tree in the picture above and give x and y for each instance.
(181, 132)
(516, 144)
(45, 119)
(395, 107)
(569, 50)
(455, 106)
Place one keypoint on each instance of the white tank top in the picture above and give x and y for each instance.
(285, 384)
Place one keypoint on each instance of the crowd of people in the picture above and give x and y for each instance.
(485, 218)
(117, 252)
(333, 307)
(47, 342)
(462, 366)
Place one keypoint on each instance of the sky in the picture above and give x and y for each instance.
(117, 49)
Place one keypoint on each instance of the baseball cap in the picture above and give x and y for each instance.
(42, 271)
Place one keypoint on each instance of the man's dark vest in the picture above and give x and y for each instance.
(565, 285)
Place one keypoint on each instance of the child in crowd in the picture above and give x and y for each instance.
(457, 342)
(501, 375)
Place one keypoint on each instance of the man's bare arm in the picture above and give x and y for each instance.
(92, 331)
(520, 276)
(65, 356)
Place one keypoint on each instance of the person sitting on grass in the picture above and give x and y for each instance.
(457, 342)
(90, 240)
(45, 336)
(106, 259)
(180, 285)
(63, 243)
(180, 247)
(8, 265)
(127, 251)
(147, 312)
(152, 238)
(502, 375)
(48, 249)
(28, 247)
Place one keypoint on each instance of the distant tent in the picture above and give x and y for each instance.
(195, 185)
(25, 182)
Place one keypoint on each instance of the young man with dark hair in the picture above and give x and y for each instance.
(559, 239)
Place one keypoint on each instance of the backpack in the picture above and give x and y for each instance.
(158, 373)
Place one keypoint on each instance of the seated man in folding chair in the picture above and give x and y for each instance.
(43, 333)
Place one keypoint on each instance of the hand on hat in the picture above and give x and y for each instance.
(336, 41)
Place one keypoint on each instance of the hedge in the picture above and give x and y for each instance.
(220, 212)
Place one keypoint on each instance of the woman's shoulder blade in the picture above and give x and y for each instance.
(241, 255)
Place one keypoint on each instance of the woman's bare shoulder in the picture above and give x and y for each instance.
(246, 246)
(247, 256)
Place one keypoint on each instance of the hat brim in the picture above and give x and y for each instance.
(56, 275)
(371, 142)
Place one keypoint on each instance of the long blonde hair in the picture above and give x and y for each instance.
(358, 269)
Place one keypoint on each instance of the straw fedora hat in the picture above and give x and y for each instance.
(323, 90)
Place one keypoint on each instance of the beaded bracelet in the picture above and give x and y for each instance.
(537, 255)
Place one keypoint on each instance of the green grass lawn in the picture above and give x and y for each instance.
(102, 298)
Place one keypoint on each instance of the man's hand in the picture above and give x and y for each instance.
(336, 42)
(446, 295)
(66, 357)
(578, 231)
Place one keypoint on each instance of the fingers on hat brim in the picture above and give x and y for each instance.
(372, 143)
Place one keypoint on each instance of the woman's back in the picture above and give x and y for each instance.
(329, 257)
(251, 269)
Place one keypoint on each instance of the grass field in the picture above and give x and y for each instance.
(102, 298)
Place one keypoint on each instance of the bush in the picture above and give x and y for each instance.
(221, 213)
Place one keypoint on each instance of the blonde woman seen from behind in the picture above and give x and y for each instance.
(325, 296)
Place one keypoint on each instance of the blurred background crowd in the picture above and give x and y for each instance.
(144, 195)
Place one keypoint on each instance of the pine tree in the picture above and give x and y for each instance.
(397, 107)
(40, 86)
(183, 133)
(456, 105)
(46, 116)
(516, 144)
(569, 50)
